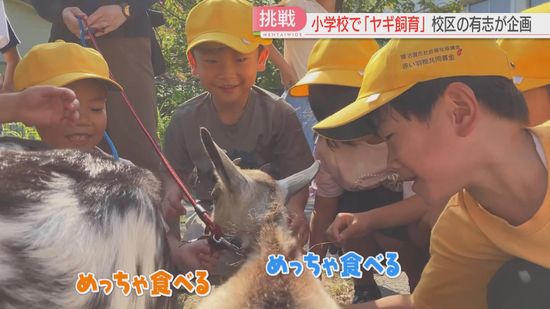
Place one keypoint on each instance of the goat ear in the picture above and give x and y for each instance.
(228, 173)
(294, 183)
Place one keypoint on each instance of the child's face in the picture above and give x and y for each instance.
(87, 132)
(538, 104)
(423, 152)
(227, 74)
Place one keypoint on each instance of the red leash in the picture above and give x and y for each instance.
(216, 234)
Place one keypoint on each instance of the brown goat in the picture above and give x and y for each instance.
(249, 206)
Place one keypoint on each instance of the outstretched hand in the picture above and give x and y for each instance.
(344, 227)
(194, 255)
(45, 105)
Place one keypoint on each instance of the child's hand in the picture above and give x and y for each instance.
(106, 19)
(344, 227)
(70, 18)
(46, 105)
(194, 255)
(299, 225)
(171, 203)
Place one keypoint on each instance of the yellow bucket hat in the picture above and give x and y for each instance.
(402, 63)
(61, 63)
(531, 57)
(338, 62)
(228, 22)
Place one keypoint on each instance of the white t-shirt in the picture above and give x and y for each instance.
(296, 51)
(356, 167)
(4, 34)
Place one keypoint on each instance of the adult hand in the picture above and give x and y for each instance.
(46, 105)
(70, 18)
(106, 19)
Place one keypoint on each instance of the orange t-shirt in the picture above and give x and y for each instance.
(469, 244)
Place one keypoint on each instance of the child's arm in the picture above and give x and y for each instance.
(403, 212)
(171, 205)
(324, 212)
(11, 56)
(39, 105)
(347, 225)
(390, 302)
(291, 154)
(298, 221)
(288, 75)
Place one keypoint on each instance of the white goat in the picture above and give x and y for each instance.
(63, 212)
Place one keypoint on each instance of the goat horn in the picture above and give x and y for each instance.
(294, 183)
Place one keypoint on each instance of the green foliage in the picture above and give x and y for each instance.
(19, 130)
(454, 6)
(178, 85)
(401, 6)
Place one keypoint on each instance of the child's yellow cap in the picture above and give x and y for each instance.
(531, 57)
(228, 22)
(338, 62)
(61, 63)
(402, 63)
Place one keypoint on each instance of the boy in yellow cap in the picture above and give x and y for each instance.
(353, 176)
(248, 122)
(84, 71)
(455, 122)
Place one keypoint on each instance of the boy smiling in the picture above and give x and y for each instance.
(248, 122)
(80, 69)
(455, 122)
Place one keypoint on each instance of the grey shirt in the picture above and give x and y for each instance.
(267, 132)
